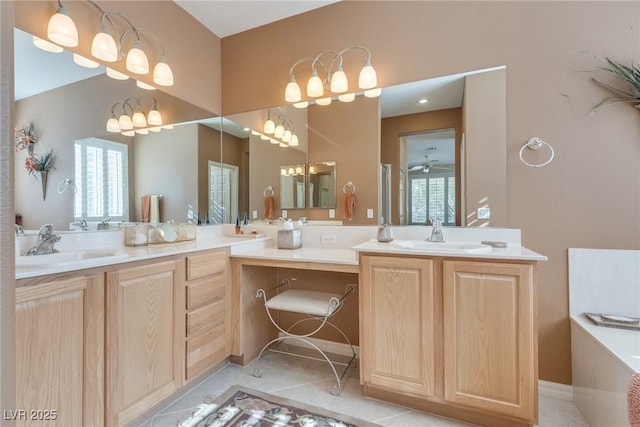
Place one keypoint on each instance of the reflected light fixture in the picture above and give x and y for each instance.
(269, 126)
(333, 78)
(274, 141)
(46, 45)
(61, 28)
(264, 137)
(279, 131)
(128, 133)
(294, 141)
(134, 117)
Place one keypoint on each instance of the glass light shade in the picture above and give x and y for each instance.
(283, 145)
(299, 170)
(137, 61)
(292, 92)
(274, 141)
(169, 126)
(162, 74)
(116, 74)
(303, 104)
(291, 171)
(139, 120)
(269, 127)
(287, 135)
(368, 78)
(125, 122)
(104, 47)
(312, 170)
(315, 88)
(113, 125)
(142, 131)
(283, 172)
(324, 101)
(155, 129)
(294, 140)
(143, 85)
(47, 45)
(128, 133)
(61, 29)
(154, 118)
(347, 97)
(279, 132)
(339, 81)
(255, 132)
(373, 93)
(264, 137)
(84, 62)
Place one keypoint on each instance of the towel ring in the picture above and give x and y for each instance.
(534, 144)
(64, 185)
(347, 186)
(268, 191)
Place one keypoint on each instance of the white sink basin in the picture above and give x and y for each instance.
(452, 246)
(64, 257)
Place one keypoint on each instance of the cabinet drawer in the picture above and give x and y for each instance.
(203, 318)
(206, 290)
(205, 350)
(206, 264)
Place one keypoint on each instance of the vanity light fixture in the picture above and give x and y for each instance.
(333, 78)
(312, 170)
(108, 45)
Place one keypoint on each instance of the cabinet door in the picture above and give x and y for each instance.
(60, 353)
(144, 341)
(397, 324)
(490, 350)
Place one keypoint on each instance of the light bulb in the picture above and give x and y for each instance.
(279, 132)
(47, 45)
(61, 29)
(84, 62)
(162, 74)
(139, 120)
(339, 82)
(113, 125)
(303, 104)
(104, 47)
(143, 85)
(154, 118)
(137, 61)
(347, 97)
(315, 87)
(373, 93)
(292, 91)
(269, 127)
(324, 101)
(116, 74)
(294, 140)
(125, 122)
(368, 78)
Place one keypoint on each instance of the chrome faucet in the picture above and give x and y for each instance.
(436, 232)
(82, 224)
(19, 230)
(104, 225)
(45, 241)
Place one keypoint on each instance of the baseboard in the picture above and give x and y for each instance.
(328, 346)
(555, 390)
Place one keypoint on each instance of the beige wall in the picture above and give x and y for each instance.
(192, 51)
(485, 128)
(588, 197)
(393, 128)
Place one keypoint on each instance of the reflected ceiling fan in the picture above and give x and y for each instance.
(427, 165)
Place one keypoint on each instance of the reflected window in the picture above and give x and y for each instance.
(101, 177)
(432, 196)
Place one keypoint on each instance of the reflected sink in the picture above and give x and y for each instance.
(451, 246)
(64, 257)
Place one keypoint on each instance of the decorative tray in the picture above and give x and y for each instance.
(615, 321)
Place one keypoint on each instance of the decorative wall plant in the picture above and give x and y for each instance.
(628, 74)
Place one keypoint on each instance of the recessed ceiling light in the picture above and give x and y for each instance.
(423, 101)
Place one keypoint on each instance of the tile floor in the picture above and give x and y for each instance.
(311, 381)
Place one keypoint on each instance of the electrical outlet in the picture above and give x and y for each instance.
(483, 213)
(369, 213)
(332, 213)
(284, 213)
(254, 214)
(328, 239)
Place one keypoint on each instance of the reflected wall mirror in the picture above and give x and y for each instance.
(322, 185)
(292, 186)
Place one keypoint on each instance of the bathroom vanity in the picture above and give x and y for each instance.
(448, 331)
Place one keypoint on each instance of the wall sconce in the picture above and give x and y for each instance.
(132, 118)
(108, 44)
(335, 80)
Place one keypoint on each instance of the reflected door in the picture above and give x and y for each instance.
(223, 193)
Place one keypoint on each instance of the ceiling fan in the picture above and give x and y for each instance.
(426, 166)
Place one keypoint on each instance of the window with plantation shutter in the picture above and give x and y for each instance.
(101, 178)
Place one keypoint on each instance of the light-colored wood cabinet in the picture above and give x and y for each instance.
(456, 337)
(397, 324)
(490, 337)
(207, 312)
(60, 352)
(144, 337)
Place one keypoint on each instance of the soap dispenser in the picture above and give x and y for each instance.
(385, 234)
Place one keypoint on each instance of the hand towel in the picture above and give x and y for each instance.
(154, 212)
(145, 202)
(349, 205)
(633, 400)
(268, 207)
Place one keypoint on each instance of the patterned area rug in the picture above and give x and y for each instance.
(243, 407)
